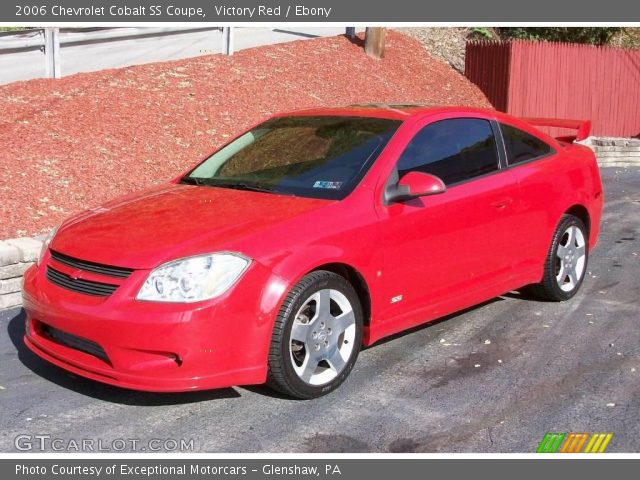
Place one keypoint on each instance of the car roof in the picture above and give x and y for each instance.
(384, 110)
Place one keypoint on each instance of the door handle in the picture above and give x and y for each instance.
(503, 203)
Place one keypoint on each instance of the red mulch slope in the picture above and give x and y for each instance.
(70, 144)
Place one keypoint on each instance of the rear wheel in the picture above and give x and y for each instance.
(566, 262)
(317, 336)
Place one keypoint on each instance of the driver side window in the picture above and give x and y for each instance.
(455, 150)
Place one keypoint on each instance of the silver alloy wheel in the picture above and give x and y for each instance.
(571, 256)
(322, 337)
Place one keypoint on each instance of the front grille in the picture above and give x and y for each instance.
(88, 287)
(72, 341)
(111, 271)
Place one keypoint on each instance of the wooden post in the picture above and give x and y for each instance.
(52, 52)
(227, 40)
(374, 42)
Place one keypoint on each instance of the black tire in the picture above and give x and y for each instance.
(281, 374)
(549, 289)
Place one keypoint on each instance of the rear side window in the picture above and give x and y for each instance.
(455, 150)
(522, 146)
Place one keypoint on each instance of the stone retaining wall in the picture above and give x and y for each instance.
(615, 152)
(18, 254)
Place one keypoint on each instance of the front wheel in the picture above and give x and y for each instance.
(566, 262)
(316, 337)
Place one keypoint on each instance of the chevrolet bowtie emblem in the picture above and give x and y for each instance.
(76, 274)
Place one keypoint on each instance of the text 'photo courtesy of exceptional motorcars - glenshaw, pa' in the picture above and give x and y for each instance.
(307, 238)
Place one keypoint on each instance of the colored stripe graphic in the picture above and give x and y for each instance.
(569, 443)
(543, 443)
(591, 443)
(550, 442)
(606, 441)
(578, 447)
(557, 442)
(598, 443)
(596, 446)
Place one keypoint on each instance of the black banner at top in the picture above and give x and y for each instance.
(29, 12)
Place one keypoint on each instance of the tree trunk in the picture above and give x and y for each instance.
(374, 42)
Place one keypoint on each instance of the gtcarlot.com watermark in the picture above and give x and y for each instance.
(49, 443)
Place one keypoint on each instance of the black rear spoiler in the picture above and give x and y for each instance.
(583, 127)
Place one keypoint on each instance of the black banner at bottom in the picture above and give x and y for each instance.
(328, 468)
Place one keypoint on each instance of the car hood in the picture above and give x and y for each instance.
(173, 221)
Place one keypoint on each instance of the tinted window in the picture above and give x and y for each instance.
(454, 150)
(521, 146)
(320, 157)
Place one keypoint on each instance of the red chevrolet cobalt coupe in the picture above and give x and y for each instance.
(314, 233)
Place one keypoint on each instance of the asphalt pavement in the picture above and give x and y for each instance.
(494, 378)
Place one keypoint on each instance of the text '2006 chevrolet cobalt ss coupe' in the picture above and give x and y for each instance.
(309, 236)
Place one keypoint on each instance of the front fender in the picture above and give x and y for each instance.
(290, 268)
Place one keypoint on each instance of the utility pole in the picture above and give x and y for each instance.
(374, 42)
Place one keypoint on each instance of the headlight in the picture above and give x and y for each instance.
(193, 279)
(45, 244)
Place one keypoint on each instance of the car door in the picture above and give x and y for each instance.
(448, 251)
(532, 161)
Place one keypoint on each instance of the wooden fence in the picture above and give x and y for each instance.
(544, 79)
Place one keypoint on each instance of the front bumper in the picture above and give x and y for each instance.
(147, 345)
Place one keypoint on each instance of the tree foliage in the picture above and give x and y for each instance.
(590, 35)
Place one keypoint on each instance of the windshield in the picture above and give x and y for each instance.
(318, 157)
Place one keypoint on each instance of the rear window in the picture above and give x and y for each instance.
(521, 146)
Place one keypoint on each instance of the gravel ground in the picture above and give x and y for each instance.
(445, 43)
(74, 143)
(573, 366)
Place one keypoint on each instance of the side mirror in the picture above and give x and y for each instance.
(414, 185)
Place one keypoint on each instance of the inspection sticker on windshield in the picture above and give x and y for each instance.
(329, 185)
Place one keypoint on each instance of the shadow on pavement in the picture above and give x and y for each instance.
(435, 322)
(112, 394)
(98, 390)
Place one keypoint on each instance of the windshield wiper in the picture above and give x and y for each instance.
(212, 182)
(192, 180)
(242, 186)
